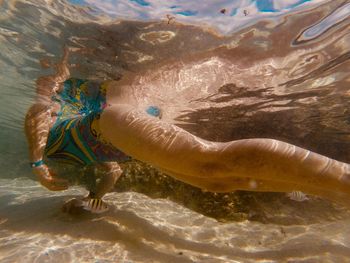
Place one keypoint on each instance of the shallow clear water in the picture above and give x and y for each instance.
(223, 71)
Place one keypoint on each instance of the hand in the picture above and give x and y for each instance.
(48, 179)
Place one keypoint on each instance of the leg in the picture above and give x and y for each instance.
(229, 184)
(111, 173)
(200, 162)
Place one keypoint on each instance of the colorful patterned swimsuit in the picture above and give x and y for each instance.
(75, 136)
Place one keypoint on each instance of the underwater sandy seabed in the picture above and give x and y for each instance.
(141, 229)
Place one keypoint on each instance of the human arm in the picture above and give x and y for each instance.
(37, 124)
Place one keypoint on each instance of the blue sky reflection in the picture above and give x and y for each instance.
(225, 15)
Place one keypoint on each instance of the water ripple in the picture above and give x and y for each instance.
(223, 71)
(331, 21)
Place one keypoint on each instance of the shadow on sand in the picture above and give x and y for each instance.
(136, 234)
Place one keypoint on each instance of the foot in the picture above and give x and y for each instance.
(73, 206)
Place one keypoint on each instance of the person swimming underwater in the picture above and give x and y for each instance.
(100, 123)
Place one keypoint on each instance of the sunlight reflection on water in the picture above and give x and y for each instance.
(280, 69)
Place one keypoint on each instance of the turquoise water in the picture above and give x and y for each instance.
(277, 69)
